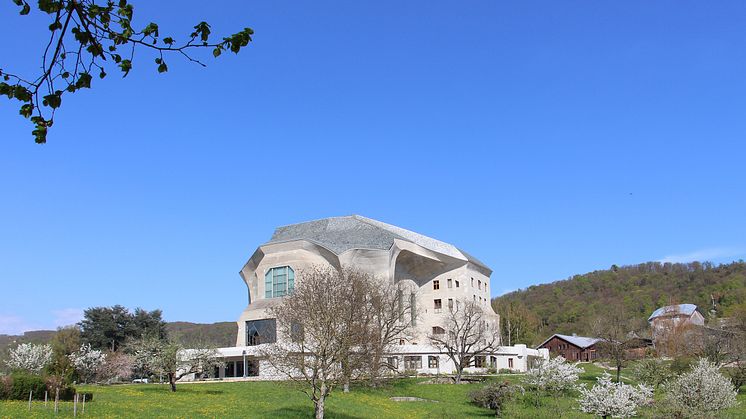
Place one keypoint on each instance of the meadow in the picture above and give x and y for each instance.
(263, 399)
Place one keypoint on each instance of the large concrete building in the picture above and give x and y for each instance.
(440, 273)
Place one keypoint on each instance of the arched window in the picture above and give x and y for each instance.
(279, 282)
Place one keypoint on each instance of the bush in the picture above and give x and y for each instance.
(493, 396)
(703, 389)
(681, 365)
(22, 383)
(617, 400)
(505, 371)
(652, 372)
(554, 375)
(5, 384)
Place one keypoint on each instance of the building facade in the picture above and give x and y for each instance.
(437, 275)
(572, 348)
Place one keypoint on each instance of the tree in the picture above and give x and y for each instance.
(613, 328)
(118, 367)
(652, 372)
(517, 323)
(493, 396)
(169, 358)
(65, 342)
(29, 357)
(467, 334)
(316, 333)
(554, 375)
(85, 38)
(109, 327)
(703, 389)
(88, 362)
(616, 400)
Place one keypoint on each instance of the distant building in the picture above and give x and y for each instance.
(572, 348)
(435, 275)
(669, 319)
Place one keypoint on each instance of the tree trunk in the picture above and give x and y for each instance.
(459, 371)
(618, 373)
(346, 386)
(319, 404)
(172, 381)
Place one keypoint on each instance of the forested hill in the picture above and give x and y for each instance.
(571, 306)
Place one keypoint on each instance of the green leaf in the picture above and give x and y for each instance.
(27, 110)
(168, 41)
(126, 66)
(102, 74)
(216, 52)
(54, 100)
(25, 9)
(162, 68)
(84, 80)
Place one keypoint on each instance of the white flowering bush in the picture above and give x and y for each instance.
(553, 375)
(88, 361)
(29, 357)
(703, 389)
(616, 400)
(652, 372)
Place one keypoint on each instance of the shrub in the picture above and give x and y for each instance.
(493, 396)
(617, 400)
(23, 383)
(505, 371)
(681, 365)
(554, 375)
(652, 372)
(703, 389)
(5, 385)
(29, 357)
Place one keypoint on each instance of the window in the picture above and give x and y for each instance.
(479, 361)
(412, 309)
(279, 282)
(296, 332)
(401, 341)
(412, 362)
(450, 283)
(432, 362)
(510, 363)
(437, 304)
(261, 331)
(437, 330)
(393, 362)
(436, 285)
(475, 298)
(457, 283)
(472, 282)
(400, 304)
(479, 284)
(450, 303)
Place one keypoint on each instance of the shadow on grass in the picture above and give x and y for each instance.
(298, 412)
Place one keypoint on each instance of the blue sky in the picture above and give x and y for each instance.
(546, 138)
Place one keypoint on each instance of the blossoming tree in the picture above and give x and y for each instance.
(703, 389)
(29, 357)
(616, 400)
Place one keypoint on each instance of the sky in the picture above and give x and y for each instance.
(545, 138)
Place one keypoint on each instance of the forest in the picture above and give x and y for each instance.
(573, 305)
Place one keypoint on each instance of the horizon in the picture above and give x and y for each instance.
(545, 139)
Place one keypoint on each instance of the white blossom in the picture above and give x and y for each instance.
(554, 375)
(29, 357)
(616, 400)
(702, 389)
(88, 361)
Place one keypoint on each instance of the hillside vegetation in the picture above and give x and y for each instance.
(572, 305)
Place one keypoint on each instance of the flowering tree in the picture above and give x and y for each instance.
(702, 389)
(158, 356)
(616, 400)
(29, 357)
(554, 375)
(88, 361)
(118, 366)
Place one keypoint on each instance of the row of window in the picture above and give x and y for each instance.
(450, 282)
(414, 362)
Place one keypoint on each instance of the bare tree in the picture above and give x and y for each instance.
(467, 334)
(614, 331)
(315, 336)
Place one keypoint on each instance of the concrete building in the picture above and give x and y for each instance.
(440, 273)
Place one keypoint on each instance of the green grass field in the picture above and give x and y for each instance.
(273, 399)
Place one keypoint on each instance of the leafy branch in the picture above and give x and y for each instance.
(84, 38)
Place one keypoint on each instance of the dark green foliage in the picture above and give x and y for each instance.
(97, 31)
(571, 306)
(493, 396)
(109, 327)
(681, 365)
(21, 384)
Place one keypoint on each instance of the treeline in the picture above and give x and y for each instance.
(573, 305)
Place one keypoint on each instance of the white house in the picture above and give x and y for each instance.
(439, 272)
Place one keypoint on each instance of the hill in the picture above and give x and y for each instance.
(571, 306)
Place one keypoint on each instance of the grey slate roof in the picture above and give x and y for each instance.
(685, 309)
(340, 234)
(580, 341)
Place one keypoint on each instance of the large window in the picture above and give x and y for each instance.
(279, 282)
(412, 362)
(261, 331)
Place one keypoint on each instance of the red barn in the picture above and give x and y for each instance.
(572, 348)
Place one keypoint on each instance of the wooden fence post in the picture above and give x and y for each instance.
(56, 399)
(45, 399)
(31, 392)
(83, 403)
(75, 405)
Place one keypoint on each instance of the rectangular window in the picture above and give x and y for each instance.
(479, 284)
(436, 285)
(450, 303)
(472, 282)
(412, 362)
(432, 362)
(450, 283)
(261, 331)
(510, 363)
(438, 305)
(279, 282)
(457, 284)
(437, 330)
(393, 362)
(479, 361)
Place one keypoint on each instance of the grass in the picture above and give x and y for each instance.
(284, 400)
